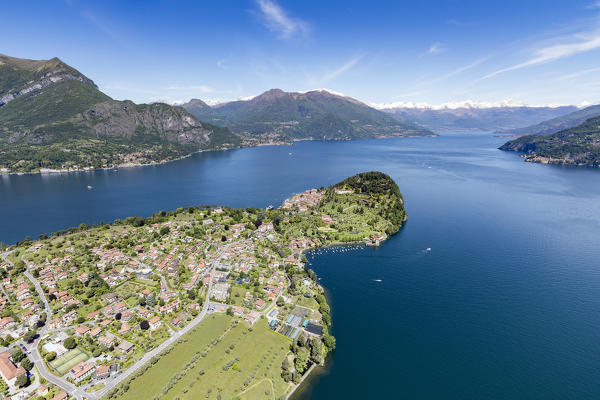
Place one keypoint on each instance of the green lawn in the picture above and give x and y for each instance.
(242, 364)
(65, 362)
(130, 287)
(306, 302)
(241, 291)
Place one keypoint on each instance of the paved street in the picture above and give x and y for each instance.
(78, 392)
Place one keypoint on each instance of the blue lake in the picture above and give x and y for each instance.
(505, 305)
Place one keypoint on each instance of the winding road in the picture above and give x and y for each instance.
(78, 392)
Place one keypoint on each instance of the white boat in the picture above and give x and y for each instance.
(89, 187)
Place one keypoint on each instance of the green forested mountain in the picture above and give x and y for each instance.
(52, 116)
(312, 115)
(579, 145)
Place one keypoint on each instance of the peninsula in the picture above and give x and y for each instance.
(209, 302)
(579, 145)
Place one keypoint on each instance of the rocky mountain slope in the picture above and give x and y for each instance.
(476, 119)
(318, 114)
(579, 145)
(53, 117)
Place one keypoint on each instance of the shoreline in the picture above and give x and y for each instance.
(306, 375)
(51, 171)
(534, 158)
(126, 378)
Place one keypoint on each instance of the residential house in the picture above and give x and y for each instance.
(82, 330)
(155, 323)
(106, 341)
(82, 371)
(8, 370)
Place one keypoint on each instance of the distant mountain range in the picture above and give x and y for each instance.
(54, 117)
(319, 114)
(579, 145)
(559, 123)
(476, 119)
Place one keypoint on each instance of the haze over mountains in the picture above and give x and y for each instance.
(470, 118)
(559, 123)
(317, 114)
(277, 107)
(54, 117)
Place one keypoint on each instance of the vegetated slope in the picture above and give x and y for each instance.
(316, 114)
(476, 119)
(52, 116)
(579, 145)
(559, 123)
(384, 190)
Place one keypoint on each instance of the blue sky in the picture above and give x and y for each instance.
(535, 52)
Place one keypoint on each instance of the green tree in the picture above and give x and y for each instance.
(27, 364)
(22, 381)
(301, 360)
(70, 343)
(17, 354)
(315, 349)
(28, 337)
(329, 341)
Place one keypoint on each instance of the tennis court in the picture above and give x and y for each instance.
(68, 360)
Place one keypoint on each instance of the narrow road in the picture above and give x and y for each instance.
(36, 357)
(129, 371)
(5, 258)
(78, 392)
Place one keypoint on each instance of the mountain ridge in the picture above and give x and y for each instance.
(316, 114)
(54, 117)
(559, 123)
(579, 145)
(477, 119)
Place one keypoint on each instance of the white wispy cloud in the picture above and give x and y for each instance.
(595, 4)
(101, 25)
(578, 74)
(567, 47)
(277, 20)
(197, 88)
(221, 63)
(464, 68)
(341, 69)
(437, 47)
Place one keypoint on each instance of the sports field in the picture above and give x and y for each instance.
(68, 360)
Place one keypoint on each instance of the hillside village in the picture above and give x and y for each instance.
(90, 306)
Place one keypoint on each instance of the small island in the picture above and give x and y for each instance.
(207, 301)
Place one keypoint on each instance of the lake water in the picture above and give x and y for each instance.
(505, 305)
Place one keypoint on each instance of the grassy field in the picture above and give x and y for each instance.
(131, 287)
(220, 359)
(65, 362)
